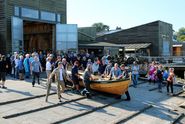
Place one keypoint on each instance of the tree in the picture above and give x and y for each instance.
(181, 34)
(118, 28)
(100, 27)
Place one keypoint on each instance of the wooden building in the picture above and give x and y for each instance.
(29, 25)
(178, 48)
(158, 34)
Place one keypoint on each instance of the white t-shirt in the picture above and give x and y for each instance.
(48, 66)
(61, 76)
(16, 63)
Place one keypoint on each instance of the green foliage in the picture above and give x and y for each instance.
(181, 34)
(100, 27)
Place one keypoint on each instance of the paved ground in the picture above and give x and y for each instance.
(164, 110)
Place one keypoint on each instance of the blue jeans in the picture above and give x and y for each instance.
(36, 74)
(159, 84)
(16, 74)
(27, 74)
(135, 79)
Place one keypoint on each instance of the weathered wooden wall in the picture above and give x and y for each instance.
(2, 26)
(37, 36)
(147, 33)
(56, 6)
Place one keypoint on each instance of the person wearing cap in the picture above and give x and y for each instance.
(60, 76)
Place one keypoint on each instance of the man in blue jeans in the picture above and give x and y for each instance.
(135, 73)
(36, 69)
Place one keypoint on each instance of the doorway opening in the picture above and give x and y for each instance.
(38, 36)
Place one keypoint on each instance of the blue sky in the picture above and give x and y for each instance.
(125, 13)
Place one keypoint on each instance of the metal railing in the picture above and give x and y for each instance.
(165, 59)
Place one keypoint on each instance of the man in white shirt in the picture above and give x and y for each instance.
(48, 67)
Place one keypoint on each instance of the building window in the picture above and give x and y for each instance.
(30, 13)
(66, 37)
(58, 18)
(16, 11)
(48, 16)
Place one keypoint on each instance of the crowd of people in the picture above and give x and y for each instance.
(58, 67)
(157, 73)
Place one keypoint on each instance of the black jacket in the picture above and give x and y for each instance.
(2, 66)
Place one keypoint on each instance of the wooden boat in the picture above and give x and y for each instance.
(118, 87)
(115, 86)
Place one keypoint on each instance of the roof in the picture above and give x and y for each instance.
(107, 32)
(136, 46)
(101, 44)
(128, 47)
(177, 45)
(115, 31)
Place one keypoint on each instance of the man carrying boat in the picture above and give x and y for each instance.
(116, 74)
(108, 68)
(87, 76)
(76, 77)
(95, 66)
(115, 71)
(124, 72)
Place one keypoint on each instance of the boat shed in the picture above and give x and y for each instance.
(157, 35)
(101, 47)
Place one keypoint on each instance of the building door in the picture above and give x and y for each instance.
(166, 48)
(17, 34)
(66, 37)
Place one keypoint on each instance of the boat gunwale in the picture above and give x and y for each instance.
(109, 81)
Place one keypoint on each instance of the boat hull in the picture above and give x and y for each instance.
(115, 87)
